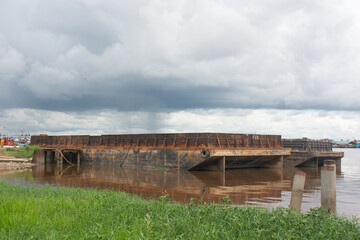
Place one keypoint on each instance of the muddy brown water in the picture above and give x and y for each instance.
(268, 188)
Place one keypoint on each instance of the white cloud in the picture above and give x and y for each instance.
(12, 62)
(288, 123)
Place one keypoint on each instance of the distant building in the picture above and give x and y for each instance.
(344, 144)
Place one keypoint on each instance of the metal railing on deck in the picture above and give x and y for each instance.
(308, 144)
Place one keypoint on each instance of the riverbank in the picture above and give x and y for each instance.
(10, 164)
(16, 158)
(63, 213)
(14, 166)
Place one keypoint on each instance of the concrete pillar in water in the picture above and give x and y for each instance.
(297, 191)
(221, 164)
(328, 188)
(338, 165)
(281, 162)
(39, 156)
(49, 157)
(330, 163)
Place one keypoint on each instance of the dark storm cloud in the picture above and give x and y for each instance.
(163, 56)
(136, 97)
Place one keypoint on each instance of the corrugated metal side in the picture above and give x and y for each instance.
(171, 140)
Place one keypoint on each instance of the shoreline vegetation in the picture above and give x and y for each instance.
(19, 152)
(72, 213)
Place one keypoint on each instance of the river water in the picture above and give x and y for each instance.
(268, 188)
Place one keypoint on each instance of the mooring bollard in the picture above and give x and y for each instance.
(297, 191)
(328, 188)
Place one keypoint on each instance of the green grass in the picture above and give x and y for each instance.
(21, 152)
(71, 213)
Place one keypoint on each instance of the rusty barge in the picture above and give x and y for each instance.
(310, 153)
(179, 151)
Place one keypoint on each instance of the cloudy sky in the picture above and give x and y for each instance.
(94, 66)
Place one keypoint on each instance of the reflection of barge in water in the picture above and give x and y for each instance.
(242, 186)
(186, 151)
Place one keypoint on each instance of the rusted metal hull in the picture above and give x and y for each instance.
(186, 151)
(184, 159)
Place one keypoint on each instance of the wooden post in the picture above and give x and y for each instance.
(297, 191)
(328, 188)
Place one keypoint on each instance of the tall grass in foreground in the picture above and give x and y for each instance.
(70, 213)
(21, 152)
